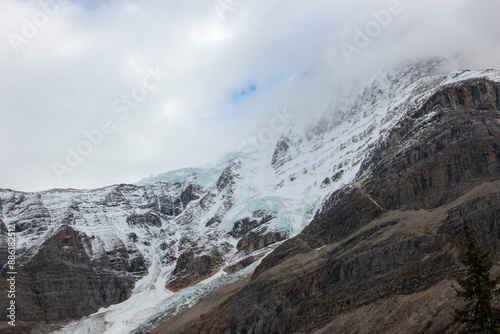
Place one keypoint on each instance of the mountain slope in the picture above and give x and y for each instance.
(158, 247)
(385, 246)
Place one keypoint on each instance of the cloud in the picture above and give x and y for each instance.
(226, 66)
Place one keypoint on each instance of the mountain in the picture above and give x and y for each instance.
(359, 210)
(380, 256)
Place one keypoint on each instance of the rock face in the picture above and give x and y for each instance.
(60, 281)
(192, 268)
(247, 224)
(260, 239)
(390, 238)
(281, 154)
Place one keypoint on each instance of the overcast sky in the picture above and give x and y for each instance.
(100, 92)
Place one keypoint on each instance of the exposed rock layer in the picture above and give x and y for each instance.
(61, 282)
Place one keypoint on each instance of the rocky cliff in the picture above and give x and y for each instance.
(61, 281)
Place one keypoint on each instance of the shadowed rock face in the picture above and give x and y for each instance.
(449, 150)
(33, 218)
(247, 224)
(228, 178)
(281, 153)
(260, 239)
(392, 237)
(61, 282)
(147, 219)
(192, 268)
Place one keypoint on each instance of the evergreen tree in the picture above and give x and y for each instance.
(478, 288)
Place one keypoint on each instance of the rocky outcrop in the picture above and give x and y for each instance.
(33, 218)
(481, 94)
(192, 268)
(241, 264)
(170, 200)
(61, 281)
(175, 205)
(195, 265)
(228, 178)
(145, 219)
(460, 149)
(390, 238)
(247, 224)
(121, 259)
(226, 184)
(116, 197)
(259, 239)
(189, 194)
(282, 152)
